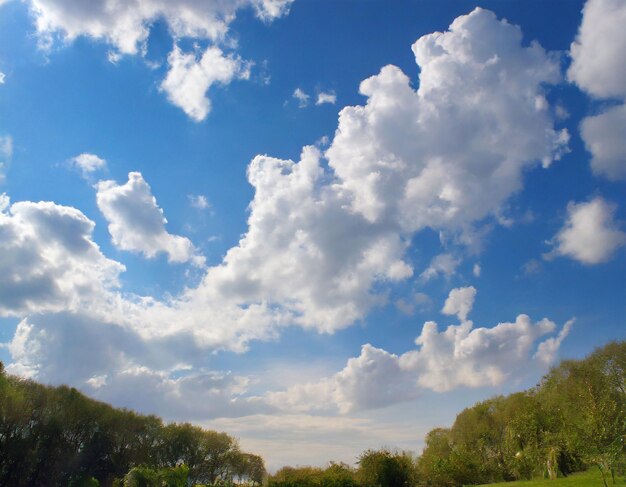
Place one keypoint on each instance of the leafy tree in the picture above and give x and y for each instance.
(384, 468)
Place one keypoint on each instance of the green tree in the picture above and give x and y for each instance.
(386, 468)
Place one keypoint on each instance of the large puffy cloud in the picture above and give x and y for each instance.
(373, 379)
(599, 48)
(590, 234)
(604, 138)
(319, 239)
(137, 223)
(463, 355)
(305, 251)
(598, 68)
(459, 356)
(189, 78)
(50, 261)
(51, 264)
(453, 151)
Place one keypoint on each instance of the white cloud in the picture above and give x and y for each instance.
(126, 25)
(465, 356)
(604, 138)
(6, 146)
(452, 152)
(189, 78)
(5, 202)
(460, 302)
(599, 48)
(6, 152)
(547, 350)
(302, 97)
(323, 97)
(103, 358)
(305, 252)
(50, 262)
(442, 264)
(199, 202)
(136, 222)
(476, 270)
(2, 77)
(590, 234)
(459, 356)
(374, 379)
(88, 163)
(598, 68)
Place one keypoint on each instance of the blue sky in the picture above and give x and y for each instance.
(250, 215)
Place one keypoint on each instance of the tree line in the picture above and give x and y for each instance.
(574, 419)
(57, 436)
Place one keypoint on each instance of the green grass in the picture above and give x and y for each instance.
(590, 478)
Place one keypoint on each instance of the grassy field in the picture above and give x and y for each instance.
(590, 478)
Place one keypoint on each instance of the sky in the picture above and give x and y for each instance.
(320, 226)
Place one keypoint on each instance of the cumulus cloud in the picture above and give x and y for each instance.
(465, 356)
(323, 97)
(460, 356)
(301, 97)
(88, 163)
(597, 68)
(460, 302)
(189, 78)
(590, 234)
(126, 25)
(478, 87)
(136, 222)
(598, 48)
(305, 252)
(50, 261)
(2, 77)
(373, 379)
(604, 139)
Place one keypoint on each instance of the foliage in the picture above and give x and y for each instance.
(576, 417)
(57, 436)
(573, 419)
(384, 468)
(335, 475)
